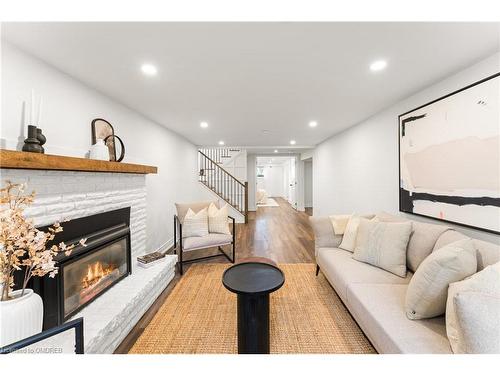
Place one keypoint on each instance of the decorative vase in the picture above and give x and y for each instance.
(20, 317)
(32, 144)
(99, 151)
(41, 138)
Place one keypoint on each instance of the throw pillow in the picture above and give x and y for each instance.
(182, 208)
(428, 289)
(486, 281)
(383, 244)
(339, 223)
(422, 242)
(349, 240)
(478, 315)
(217, 219)
(195, 225)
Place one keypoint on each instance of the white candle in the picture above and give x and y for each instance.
(39, 118)
(32, 111)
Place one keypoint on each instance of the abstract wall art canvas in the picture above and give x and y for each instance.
(449, 157)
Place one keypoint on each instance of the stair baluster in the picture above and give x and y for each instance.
(221, 182)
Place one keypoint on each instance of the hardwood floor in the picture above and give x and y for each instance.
(279, 233)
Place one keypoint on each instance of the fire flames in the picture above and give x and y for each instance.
(95, 273)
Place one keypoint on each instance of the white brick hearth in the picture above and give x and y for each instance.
(110, 317)
(62, 195)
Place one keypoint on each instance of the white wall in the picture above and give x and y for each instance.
(237, 165)
(273, 180)
(308, 183)
(357, 170)
(70, 106)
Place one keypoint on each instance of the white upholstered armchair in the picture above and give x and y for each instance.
(198, 238)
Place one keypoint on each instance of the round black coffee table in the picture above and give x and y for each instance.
(253, 282)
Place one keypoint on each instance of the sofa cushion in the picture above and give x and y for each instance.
(428, 289)
(339, 223)
(341, 269)
(487, 254)
(486, 281)
(323, 232)
(422, 242)
(383, 244)
(478, 315)
(210, 240)
(448, 237)
(350, 233)
(379, 311)
(389, 218)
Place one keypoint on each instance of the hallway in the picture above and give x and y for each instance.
(279, 233)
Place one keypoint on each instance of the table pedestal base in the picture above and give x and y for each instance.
(253, 324)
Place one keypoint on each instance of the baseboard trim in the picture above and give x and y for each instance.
(166, 246)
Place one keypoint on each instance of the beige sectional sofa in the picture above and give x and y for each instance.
(376, 297)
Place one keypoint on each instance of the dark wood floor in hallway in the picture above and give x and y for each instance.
(278, 233)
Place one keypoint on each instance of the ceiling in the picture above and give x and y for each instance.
(257, 84)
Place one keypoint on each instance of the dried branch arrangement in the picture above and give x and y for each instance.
(22, 245)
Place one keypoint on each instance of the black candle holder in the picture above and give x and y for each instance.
(32, 143)
(41, 138)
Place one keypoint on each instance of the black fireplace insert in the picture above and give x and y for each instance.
(89, 271)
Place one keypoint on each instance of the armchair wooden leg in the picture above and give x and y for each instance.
(181, 271)
(317, 270)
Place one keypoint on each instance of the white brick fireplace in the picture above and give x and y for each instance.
(65, 195)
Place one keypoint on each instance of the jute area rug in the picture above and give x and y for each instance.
(199, 316)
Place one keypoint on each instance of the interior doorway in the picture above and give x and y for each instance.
(276, 177)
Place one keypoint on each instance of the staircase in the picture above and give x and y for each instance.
(220, 155)
(220, 181)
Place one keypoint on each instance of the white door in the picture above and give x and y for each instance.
(292, 182)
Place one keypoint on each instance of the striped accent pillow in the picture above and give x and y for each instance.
(217, 219)
(195, 225)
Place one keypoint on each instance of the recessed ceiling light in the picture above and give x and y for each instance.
(292, 142)
(149, 70)
(378, 65)
(204, 124)
(275, 151)
(313, 124)
(221, 143)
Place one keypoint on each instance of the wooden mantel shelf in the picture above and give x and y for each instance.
(29, 160)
